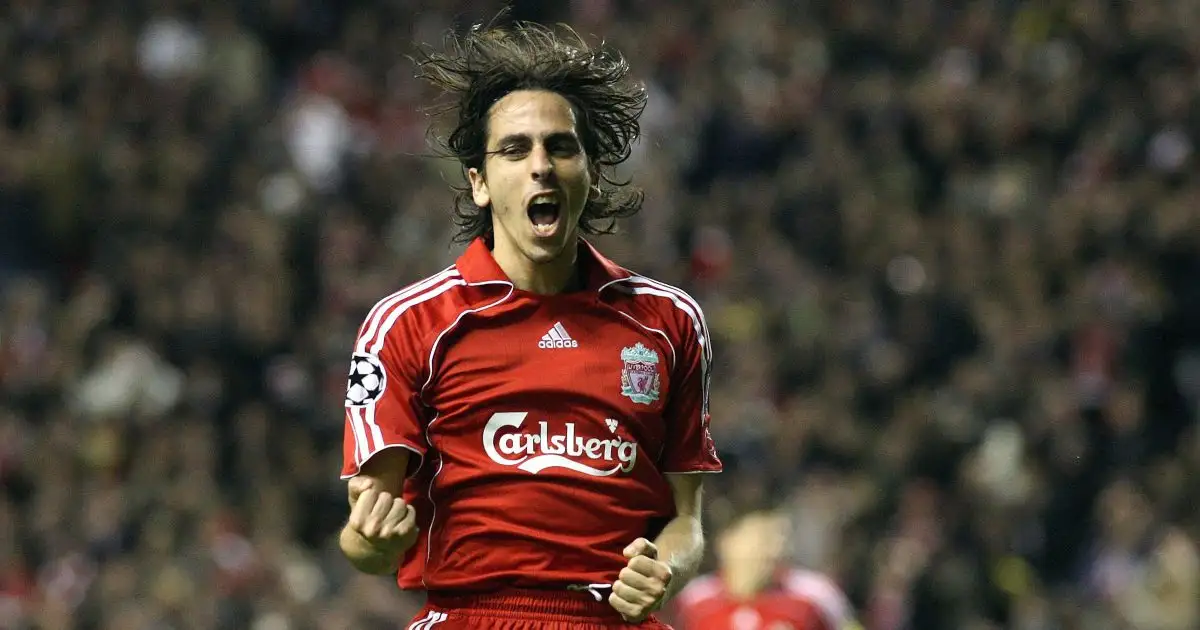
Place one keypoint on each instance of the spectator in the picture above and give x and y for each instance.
(948, 252)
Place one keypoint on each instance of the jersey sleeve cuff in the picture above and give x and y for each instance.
(696, 470)
(354, 468)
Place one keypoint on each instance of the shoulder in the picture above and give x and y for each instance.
(676, 310)
(819, 590)
(701, 589)
(404, 315)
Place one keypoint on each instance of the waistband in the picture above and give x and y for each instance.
(583, 601)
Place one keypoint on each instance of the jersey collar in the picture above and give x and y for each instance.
(478, 266)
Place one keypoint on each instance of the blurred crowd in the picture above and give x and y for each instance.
(949, 250)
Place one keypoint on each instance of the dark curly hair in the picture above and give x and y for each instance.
(481, 66)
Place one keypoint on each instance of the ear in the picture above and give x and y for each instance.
(479, 188)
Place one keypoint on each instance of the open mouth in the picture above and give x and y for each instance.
(543, 214)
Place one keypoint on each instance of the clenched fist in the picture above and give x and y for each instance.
(642, 585)
(380, 519)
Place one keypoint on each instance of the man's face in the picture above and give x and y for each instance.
(756, 542)
(535, 175)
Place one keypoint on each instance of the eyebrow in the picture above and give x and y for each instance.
(556, 136)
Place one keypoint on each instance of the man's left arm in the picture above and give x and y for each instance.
(681, 542)
(658, 570)
(689, 452)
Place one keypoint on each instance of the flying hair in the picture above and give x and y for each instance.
(477, 68)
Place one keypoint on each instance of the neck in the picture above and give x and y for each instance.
(744, 580)
(546, 278)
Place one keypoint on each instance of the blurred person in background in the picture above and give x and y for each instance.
(595, 520)
(754, 588)
(1147, 572)
(945, 249)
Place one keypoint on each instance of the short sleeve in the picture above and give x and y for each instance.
(827, 602)
(690, 447)
(698, 603)
(383, 407)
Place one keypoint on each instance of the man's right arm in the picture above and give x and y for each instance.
(384, 435)
(381, 526)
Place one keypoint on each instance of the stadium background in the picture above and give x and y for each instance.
(950, 252)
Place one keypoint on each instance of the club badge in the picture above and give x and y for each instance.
(639, 377)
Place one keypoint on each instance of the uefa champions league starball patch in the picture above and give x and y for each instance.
(639, 377)
(367, 380)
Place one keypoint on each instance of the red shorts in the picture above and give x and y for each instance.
(523, 610)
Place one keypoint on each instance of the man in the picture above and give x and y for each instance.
(522, 428)
(1143, 569)
(753, 590)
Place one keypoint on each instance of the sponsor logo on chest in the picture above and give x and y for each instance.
(541, 449)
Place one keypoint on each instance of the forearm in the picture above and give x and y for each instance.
(366, 557)
(681, 547)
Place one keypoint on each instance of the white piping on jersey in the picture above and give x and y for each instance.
(642, 285)
(420, 458)
(363, 450)
(678, 297)
(670, 345)
(361, 445)
(375, 315)
(656, 331)
(681, 300)
(437, 340)
(399, 310)
(683, 295)
(421, 396)
(368, 438)
(429, 494)
(373, 426)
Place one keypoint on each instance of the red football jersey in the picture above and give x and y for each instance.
(543, 425)
(798, 600)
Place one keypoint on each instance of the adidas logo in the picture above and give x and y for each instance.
(557, 337)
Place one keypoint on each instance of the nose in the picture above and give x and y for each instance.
(540, 165)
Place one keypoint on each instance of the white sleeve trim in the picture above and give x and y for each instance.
(695, 472)
(358, 465)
